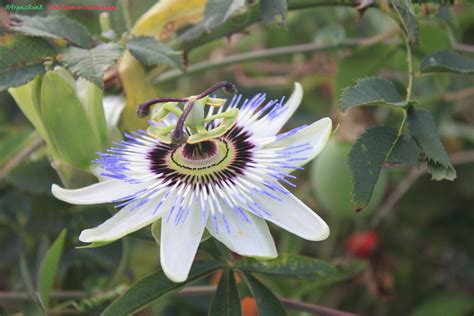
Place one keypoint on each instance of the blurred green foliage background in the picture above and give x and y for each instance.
(423, 261)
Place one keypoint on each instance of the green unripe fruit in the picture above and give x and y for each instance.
(332, 184)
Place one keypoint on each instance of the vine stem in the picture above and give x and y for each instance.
(411, 74)
(158, 77)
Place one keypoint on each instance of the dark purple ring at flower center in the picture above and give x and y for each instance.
(199, 151)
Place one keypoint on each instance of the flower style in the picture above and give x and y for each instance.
(228, 183)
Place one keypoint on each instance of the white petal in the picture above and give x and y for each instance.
(126, 221)
(315, 135)
(113, 107)
(293, 215)
(275, 124)
(102, 192)
(252, 238)
(179, 243)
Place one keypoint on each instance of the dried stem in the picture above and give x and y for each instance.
(34, 144)
(158, 77)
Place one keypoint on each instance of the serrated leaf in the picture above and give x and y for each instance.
(49, 266)
(366, 160)
(407, 18)
(267, 303)
(91, 63)
(152, 52)
(22, 58)
(154, 286)
(422, 127)
(55, 27)
(405, 151)
(273, 11)
(226, 301)
(64, 117)
(287, 265)
(446, 61)
(371, 91)
(219, 11)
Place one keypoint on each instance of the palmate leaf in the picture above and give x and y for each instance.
(446, 61)
(152, 52)
(54, 27)
(422, 127)
(371, 91)
(154, 286)
(226, 301)
(267, 303)
(22, 59)
(366, 160)
(91, 64)
(288, 265)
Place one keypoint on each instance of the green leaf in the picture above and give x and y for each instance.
(226, 301)
(371, 91)
(366, 160)
(273, 11)
(446, 61)
(405, 151)
(154, 286)
(91, 97)
(287, 265)
(48, 268)
(267, 303)
(91, 63)
(22, 59)
(422, 127)
(342, 273)
(55, 27)
(64, 117)
(151, 52)
(26, 277)
(406, 18)
(28, 98)
(219, 11)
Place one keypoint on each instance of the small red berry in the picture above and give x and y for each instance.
(362, 244)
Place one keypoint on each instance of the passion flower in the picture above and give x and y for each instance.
(220, 171)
